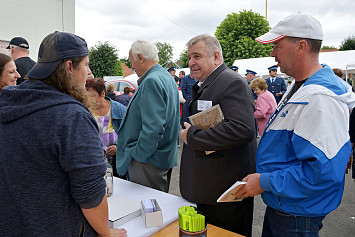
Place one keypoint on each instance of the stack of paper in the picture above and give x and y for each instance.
(149, 206)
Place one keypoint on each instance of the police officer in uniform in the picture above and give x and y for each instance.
(186, 84)
(234, 68)
(276, 85)
(172, 72)
(250, 75)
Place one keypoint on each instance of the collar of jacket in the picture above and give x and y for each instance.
(153, 68)
(212, 76)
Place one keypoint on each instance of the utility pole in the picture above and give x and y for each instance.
(266, 11)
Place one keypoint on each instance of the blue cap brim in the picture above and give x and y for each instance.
(43, 70)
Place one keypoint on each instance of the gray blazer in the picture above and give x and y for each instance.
(203, 178)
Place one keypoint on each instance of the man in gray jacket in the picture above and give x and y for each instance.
(203, 177)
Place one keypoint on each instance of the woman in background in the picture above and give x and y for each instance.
(125, 97)
(108, 115)
(8, 73)
(265, 104)
(111, 91)
(182, 101)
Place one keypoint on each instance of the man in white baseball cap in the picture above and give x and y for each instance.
(302, 154)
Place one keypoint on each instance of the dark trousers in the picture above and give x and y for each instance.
(185, 114)
(237, 218)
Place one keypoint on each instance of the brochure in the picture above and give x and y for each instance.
(207, 119)
(229, 194)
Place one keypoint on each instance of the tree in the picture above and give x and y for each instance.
(237, 34)
(165, 52)
(325, 47)
(183, 61)
(104, 60)
(348, 43)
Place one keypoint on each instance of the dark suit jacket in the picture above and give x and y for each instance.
(279, 85)
(203, 178)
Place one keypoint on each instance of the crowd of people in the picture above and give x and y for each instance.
(60, 122)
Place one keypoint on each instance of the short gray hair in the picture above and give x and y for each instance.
(147, 49)
(212, 44)
(15, 47)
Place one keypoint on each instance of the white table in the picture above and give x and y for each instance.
(167, 202)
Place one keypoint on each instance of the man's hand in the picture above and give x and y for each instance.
(279, 94)
(111, 150)
(184, 132)
(252, 187)
(348, 166)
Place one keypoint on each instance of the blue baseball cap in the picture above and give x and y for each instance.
(234, 68)
(274, 67)
(171, 69)
(250, 71)
(54, 48)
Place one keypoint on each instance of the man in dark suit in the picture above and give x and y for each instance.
(203, 178)
(276, 85)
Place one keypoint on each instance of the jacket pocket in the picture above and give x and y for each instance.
(215, 154)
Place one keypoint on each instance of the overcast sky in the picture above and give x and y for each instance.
(121, 22)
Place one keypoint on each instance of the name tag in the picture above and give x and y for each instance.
(203, 105)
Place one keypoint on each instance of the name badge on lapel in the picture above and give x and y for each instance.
(203, 105)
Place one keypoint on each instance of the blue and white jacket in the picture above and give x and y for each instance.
(304, 150)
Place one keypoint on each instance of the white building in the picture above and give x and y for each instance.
(33, 20)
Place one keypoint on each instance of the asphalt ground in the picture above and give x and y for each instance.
(339, 223)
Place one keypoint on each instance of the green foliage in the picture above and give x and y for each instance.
(348, 43)
(328, 47)
(165, 52)
(237, 34)
(183, 60)
(126, 61)
(104, 60)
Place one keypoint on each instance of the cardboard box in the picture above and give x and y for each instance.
(122, 209)
(153, 218)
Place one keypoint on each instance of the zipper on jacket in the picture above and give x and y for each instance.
(82, 230)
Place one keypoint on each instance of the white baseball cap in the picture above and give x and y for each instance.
(296, 25)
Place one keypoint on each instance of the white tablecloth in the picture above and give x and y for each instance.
(167, 202)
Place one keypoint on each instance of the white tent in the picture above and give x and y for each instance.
(132, 77)
(345, 60)
(258, 65)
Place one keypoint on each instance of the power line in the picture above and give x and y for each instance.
(169, 18)
(62, 15)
